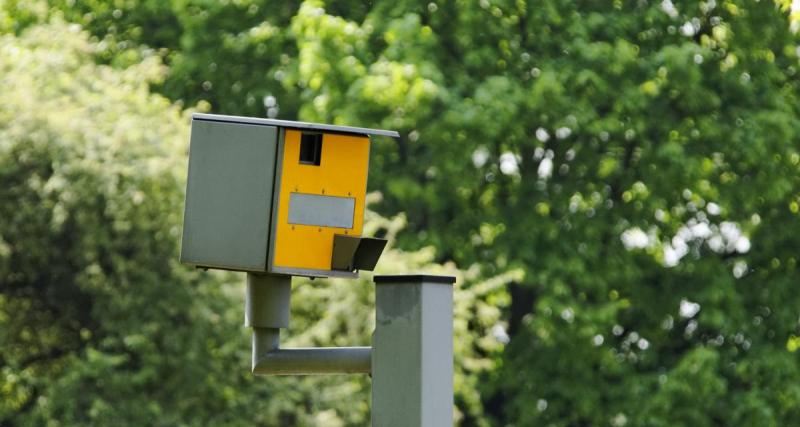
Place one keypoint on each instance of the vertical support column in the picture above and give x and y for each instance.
(412, 351)
(266, 310)
(266, 302)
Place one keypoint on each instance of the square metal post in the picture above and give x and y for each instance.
(412, 351)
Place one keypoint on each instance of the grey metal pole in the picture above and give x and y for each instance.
(267, 310)
(412, 356)
(266, 301)
(314, 361)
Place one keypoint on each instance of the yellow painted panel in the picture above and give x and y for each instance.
(342, 172)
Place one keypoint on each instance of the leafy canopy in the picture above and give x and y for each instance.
(99, 324)
(638, 161)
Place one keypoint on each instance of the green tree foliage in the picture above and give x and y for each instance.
(637, 160)
(99, 324)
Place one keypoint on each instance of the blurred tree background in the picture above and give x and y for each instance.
(619, 183)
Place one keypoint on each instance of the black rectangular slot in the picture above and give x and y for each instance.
(311, 149)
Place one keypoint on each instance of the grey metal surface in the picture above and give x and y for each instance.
(267, 303)
(263, 340)
(356, 253)
(322, 211)
(267, 300)
(276, 197)
(296, 125)
(308, 361)
(229, 195)
(308, 272)
(413, 278)
(368, 252)
(412, 357)
(344, 250)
